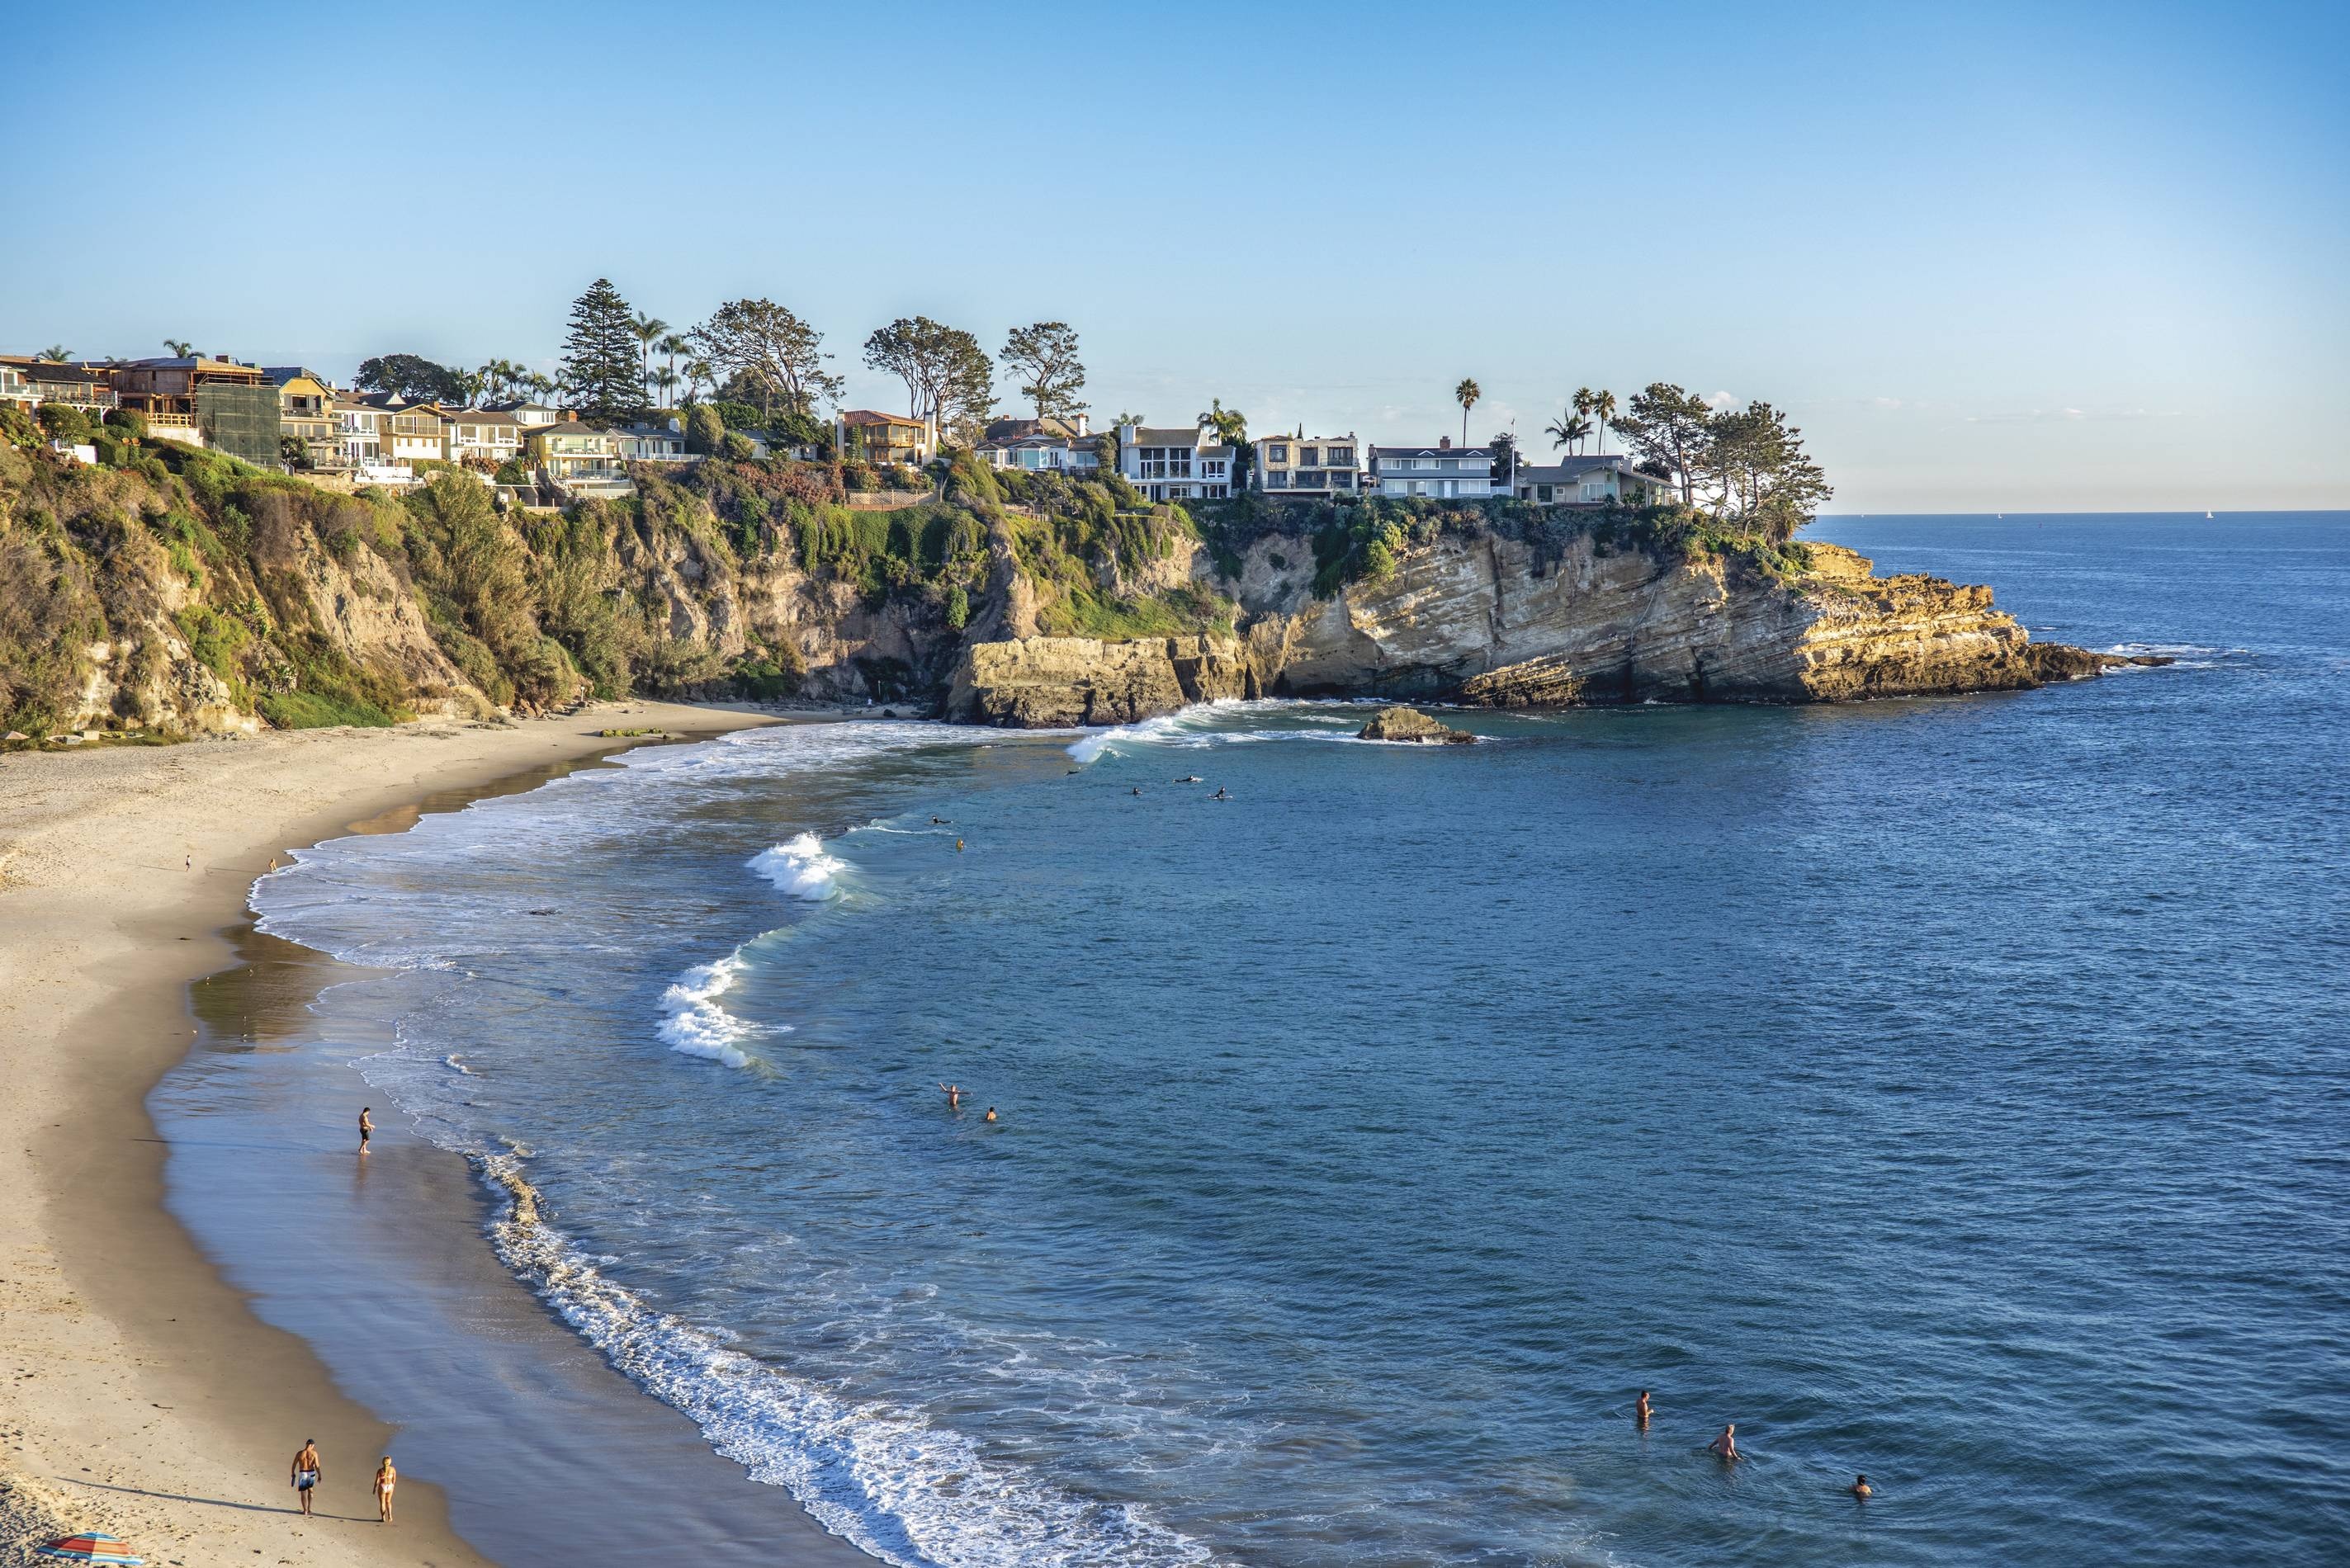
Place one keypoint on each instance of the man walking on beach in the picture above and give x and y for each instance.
(305, 1472)
(367, 1127)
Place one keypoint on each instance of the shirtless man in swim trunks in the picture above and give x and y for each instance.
(1725, 1445)
(305, 1472)
(367, 1127)
(1640, 1410)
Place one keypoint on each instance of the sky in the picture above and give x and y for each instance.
(2051, 257)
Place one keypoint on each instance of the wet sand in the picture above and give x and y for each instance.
(140, 1393)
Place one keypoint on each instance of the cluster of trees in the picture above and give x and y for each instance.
(1747, 466)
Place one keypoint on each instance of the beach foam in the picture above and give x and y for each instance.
(693, 1021)
(800, 867)
(897, 1485)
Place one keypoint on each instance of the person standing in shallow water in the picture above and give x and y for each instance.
(1726, 1445)
(1860, 1489)
(1640, 1410)
(367, 1127)
(954, 1095)
(307, 1470)
(991, 1114)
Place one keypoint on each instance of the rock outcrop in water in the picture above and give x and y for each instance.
(1487, 620)
(1402, 723)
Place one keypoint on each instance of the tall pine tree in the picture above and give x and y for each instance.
(599, 356)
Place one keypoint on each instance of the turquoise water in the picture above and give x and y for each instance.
(1949, 1090)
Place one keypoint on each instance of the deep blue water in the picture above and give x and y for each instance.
(1949, 1090)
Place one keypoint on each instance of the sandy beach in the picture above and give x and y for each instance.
(138, 1393)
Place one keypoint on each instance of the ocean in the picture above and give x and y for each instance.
(1949, 1090)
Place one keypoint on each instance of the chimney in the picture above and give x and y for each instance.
(1081, 425)
(1445, 444)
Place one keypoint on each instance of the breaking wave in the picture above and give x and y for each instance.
(800, 867)
(896, 1484)
(695, 1023)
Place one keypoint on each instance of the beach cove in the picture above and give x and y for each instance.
(141, 1396)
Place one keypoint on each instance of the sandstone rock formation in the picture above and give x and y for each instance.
(1486, 620)
(1402, 723)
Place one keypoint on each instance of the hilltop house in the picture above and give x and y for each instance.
(219, 403)
(88, 386)
(527, 413)
(305, 410)
(578, 457)
(1308, 467)
(861, 435)
(1036, 453)
(1590, 481)
(359, 430)
(414, 433)
(14, 387)
(664, 443)
(1182, 464)
(484, 439)
(1442, 471)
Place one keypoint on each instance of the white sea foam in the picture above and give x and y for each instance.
(800, 867)
(457, 1064)
(1188, 729)
(694, 1021)
(899, 1486)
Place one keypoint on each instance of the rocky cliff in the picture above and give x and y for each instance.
(1489, 621)
(170, 591)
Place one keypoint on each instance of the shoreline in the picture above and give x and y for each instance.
(144, 1395)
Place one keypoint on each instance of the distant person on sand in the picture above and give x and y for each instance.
(1725, 1445)
(385, 1478)
(1640, 1409)
(954, 1095)
(367, 1127)
(990, 1113)
(1860, 1489)
(305, 1472)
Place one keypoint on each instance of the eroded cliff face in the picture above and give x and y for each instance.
(1486, 620)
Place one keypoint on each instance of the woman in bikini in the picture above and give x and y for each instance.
(385, 1478)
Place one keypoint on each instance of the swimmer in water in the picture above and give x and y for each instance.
(954, 1095)
(1726, 1445)
(1220, 795)
(1137, 789)
(942, 821)
(990, 1113)
(1860, 1489)
(1640, 1410)
(958, 847)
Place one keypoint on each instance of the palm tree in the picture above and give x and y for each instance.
(56, 354)
(697, 371)
(649, 330)
(1569, 428)
(1603, 407)
(672, 345)
(1230, 425)
(1466, 394)
(540, 385)
(666, 380)
(181, 347)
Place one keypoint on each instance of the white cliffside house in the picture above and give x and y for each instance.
(483, 437)
(1589, 482)
(1174, 464)
(664, 443)
(1311, 467)
(1442, 471)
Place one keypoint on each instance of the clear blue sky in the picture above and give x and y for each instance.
(2000, 257)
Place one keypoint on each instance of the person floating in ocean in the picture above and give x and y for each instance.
(367, 1127)
(1137, 789)
(1220, 793)
(954, 1095)
(305, 1472)
(958, 847)
(385, 1478)
(1860, 1488)
(1640, 1410)
(1191, 778)
(990, 1113)
(1725, 1445)
(942, 821)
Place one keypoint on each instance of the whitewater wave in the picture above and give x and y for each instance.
(889, 1480)
(800, 867)
(1188, 730)
(695, 1023)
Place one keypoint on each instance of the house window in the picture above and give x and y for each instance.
(1277, 452)
(1309, 456)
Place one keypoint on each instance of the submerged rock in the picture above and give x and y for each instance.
(1400, 724)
